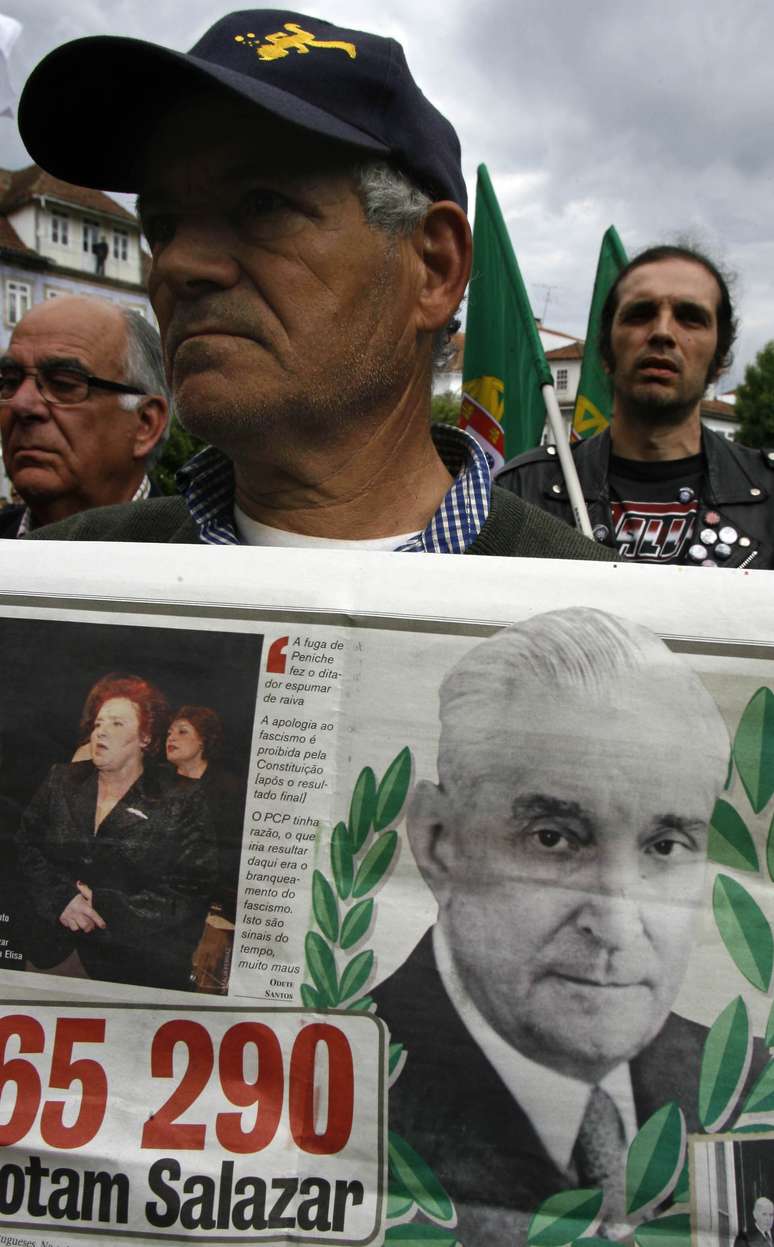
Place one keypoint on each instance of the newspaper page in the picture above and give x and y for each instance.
(374, 900)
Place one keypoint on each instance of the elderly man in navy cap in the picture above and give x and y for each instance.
(305, 209)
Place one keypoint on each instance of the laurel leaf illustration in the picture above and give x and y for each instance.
(311, 998)
(564, 1217)
(375, 864)
(341, 860)
(362, 1005)
(754, 748)
(730, 843)
(356, 923)
(770, 850)
(355, 974)
(761, 1098)
(361, 808)
(418, 1235)
(655, 1158)
(769, 1038)
(418, 1179)
(393, 790)
(724, 1064)
(396, 1052)
(671, 1231)
(399, 1202)
(745, 931)
(322, 966)
(325, 908)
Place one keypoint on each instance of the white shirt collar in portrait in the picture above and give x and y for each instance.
(554, 1103)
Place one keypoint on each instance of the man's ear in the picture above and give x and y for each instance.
(152, 414)
(445, 247)
(430, 826)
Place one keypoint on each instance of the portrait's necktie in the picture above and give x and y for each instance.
(599, 1154)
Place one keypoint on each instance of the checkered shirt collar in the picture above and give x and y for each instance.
(207, 483)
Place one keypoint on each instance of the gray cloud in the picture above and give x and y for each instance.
(655, 118)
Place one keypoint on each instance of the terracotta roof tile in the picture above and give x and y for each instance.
(19, 186)
(10, 239)
(573, 351)
(715, 407)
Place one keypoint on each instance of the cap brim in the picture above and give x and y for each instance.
(106, 93)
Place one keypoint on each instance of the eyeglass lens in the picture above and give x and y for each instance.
(59, 385)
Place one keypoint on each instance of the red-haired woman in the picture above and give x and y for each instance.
(194, 748)
(194, 740)
(117, 857)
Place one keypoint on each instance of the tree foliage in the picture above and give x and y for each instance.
(755, 401)
(181, 445)
(446, 408)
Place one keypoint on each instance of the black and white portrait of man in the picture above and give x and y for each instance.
(566, 845)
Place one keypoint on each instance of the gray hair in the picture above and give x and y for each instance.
(396, 206)
(144, 368)
(576, 650)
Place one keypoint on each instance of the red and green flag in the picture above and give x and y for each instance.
(594, 401)
(504, 365)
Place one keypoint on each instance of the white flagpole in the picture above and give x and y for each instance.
(569, 471)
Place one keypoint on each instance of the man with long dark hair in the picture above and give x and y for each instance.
(660, 486)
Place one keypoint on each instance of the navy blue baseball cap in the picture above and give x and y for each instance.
(108, 92)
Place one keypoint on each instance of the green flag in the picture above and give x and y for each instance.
(594, 401)
(505, 365)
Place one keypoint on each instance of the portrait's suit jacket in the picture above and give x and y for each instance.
(151, 866)
(452, 1107)
(752, 1237)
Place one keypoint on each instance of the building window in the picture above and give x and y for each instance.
(60, 228)
(120, 244)
(18, 300)
(561, 379)
(90, 235)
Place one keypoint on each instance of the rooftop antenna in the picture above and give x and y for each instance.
(539, 285)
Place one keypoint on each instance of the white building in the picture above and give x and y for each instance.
(50, 236)
(565, 364)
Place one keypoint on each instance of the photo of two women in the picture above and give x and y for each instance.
(125, 758)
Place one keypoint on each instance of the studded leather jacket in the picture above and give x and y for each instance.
(737, 494)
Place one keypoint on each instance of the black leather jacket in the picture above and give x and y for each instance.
(738, 485)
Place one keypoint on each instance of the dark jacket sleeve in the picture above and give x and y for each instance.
(49, 878)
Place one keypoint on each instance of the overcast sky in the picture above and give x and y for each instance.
(657, 118)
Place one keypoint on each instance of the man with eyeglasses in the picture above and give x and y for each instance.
(83, 407)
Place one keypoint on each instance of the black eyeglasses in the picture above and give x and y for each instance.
(58, 384)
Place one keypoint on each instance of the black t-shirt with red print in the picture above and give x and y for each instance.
(654, 507)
